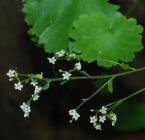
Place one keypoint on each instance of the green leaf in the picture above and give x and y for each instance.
(47, 85)
(100, 39)
(131, 116)
(110, 86)
(52, 20)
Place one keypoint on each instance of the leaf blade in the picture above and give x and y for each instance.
(105, 40)
(52, 20)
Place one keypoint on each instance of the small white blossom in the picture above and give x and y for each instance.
(74, 114)
(35, 97)
(60, 53)
(98, 127)
(11, 74)
(78, 66)
(113, 118)
(93, 119)
(52, 60)
(18, 86)
(103, 110)
(102, 119)
(34, 83)
(66, 75)
(37, 89)
(26, 109)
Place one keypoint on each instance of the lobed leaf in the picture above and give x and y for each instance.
(52, 20)
(100, 39)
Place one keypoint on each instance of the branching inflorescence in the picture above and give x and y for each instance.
(41, 84)
(78, 31)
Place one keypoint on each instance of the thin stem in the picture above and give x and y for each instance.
(94, 94)
(126, 98)
(132, 95)
(99, 77)
(88, 77)
(133, 7)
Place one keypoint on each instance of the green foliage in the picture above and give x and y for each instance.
(113, 38)
(52, 20)
(131, 116)
(88, 30)
(97, 29)
(105, 40)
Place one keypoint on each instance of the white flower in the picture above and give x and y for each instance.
(78, 66)
(93, 119)
(11, 74)
(37, 89)
(113, 118)
(66, 75)
(34, 83)
(103, 110)
(74, 114)
(98, 127)
(60, 53)
(26, 109)
(52, 60)
(102, 119)
(18, 86)
(35, 97)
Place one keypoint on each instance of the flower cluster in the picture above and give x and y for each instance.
(37, 90)
(65, 74)
(98, 120)
(59, 54)
(73, 113)
(26, 109)
(39, 83)
(14, 76)
(34, 79)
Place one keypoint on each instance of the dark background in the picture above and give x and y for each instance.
(49, 118)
